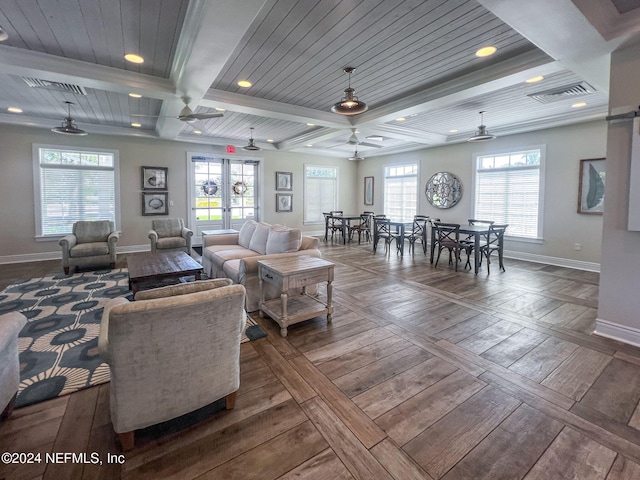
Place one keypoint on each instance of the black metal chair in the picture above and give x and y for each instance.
(417, 233)
(495, 243)
(333, 224)
(363, 228)
(448, 236)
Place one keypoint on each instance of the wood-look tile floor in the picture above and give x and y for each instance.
(424, 374)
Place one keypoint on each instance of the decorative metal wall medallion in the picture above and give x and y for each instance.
(443, 190)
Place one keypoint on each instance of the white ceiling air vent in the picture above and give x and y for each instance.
(58, 86)
(562, 93)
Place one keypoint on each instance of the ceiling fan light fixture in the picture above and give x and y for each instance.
(251, 147)
(482, 134)
(349, 104)
(356, 156)
(68, 126)
(3, 35)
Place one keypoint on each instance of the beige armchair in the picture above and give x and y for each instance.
(171, 351)
(10, 326)
(91, 243)
(170, 234)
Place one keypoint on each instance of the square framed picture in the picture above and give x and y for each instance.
(154, 178)
(155, 203)
(284, 202)
(284, 181)
(591, 186)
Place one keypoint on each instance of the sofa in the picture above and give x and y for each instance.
(173, 350)
(10, 326)
(236, 256)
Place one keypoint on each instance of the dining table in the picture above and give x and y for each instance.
(345, 224)
(478, 232)
(400, 226)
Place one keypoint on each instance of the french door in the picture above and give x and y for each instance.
(223, 193)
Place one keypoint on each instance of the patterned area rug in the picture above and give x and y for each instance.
(59, 344)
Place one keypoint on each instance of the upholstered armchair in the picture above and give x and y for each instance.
(10, 326)
(91, 243)
(173, 350)
(170, 234)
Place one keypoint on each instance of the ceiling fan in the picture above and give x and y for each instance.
(356, 156)
(186, 114)
(353, 140)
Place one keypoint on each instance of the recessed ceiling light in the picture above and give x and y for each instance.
(220, 109)
(453, 130)
(136, 124)
(133, 58)
(244, 83)
(579, 104)
(486, 51)
(197, 132)
(400, 119)
(270, 140)
(310, 124)
(14, 110)
(308, 145)
(535, 79)
(135, 95)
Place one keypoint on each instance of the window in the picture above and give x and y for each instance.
(401, 191)
(320, 192)
(508, 189)
(73, 184)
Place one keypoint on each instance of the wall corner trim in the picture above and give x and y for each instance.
(615, 331)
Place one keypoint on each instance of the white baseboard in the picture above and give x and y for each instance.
(38, 257)
(617, 332)
(559, 262)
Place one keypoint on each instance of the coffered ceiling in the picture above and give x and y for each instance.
(414, 59)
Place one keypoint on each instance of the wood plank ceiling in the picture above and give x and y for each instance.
(414, 59)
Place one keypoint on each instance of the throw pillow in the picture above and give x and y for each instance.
(246, 232)
(283, 240)
(259, 239)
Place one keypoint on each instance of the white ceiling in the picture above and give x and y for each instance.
(414, 59)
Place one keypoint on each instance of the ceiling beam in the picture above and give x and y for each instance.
(566, 35)
(18, 61)
(209, 35)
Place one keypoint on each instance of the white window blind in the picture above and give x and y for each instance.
(401, 192)
(507, 191)
(74, 185)
(320, 192)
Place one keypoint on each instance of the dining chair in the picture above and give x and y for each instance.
(362, 228)
(495, 243)
(385, 232)
(469, 240)
(448, 236)
(335, 224)
(418, 232)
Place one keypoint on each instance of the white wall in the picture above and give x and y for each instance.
(563, 226)
(619, 303)
(17, 240)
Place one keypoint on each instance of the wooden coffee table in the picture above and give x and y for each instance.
(294, 272)
(149, 269)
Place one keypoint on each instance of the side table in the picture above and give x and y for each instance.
(295, 272)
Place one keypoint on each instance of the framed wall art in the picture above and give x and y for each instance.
(443, 190)
(284, 181)
(154, 178)
(284, 202)
(368, 190)
(155, 203)
(591, 186)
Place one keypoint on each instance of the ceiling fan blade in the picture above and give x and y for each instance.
(204, 116)
(367, 144)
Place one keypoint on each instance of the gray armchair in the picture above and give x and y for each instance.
(170, 234)
(91, 243)
(10, 326)
(173, 350)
